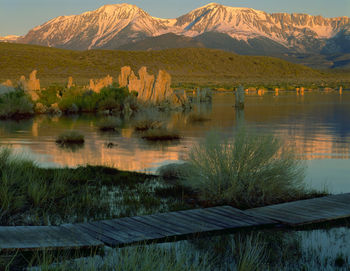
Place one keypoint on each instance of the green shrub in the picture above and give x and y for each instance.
(50, 95)
(15, 105)
(247, 171)
(110, 98)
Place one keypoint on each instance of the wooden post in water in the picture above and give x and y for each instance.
(341, 90)
(239, 97)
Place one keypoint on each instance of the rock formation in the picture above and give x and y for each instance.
(33, 82)
(150, 90)
(70, 82)
(97, 85)
(135, 83)
(147, 84)
(7, 83)
(31, 86)
(123, 78)
(162, 90)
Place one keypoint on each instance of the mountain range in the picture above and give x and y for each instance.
(298, 37)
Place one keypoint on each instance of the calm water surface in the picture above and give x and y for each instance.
(318, 124)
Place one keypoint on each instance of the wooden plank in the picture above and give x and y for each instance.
(87, 239)
(169, 218)
(207, 226)
(180, 221)
(240, 220)
(134, 235)
(307, 211)
(196, 226)
(314, 209)
(281, 215)
(231, 223)
(244, 218)
(42, 237)
(148, 222)
(136, 225)
(117, 234)
(100, 235)
(210, 220)
(174, 229)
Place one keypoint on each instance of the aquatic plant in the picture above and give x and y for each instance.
(246, 171)
(161, 134)
(148, 118)
(70, 137)
(109, 124)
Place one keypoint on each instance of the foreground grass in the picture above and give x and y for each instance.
(242, 253)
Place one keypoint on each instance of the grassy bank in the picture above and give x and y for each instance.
(30, 195)
(187, 65)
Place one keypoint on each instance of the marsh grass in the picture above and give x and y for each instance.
(70, 137)
(161, 135)
(139, 257)
(147, 119)
(250, 253)
(247, 171)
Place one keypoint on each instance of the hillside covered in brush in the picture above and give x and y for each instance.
(185, 64)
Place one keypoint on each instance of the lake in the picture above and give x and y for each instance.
(317, 124)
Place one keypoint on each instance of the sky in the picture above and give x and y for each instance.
(17, 17)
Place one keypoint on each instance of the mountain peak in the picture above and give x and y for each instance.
(114, 25)
(124, 6)
(119, 8)
(212, 5)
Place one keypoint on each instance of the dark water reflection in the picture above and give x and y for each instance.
(316, 123)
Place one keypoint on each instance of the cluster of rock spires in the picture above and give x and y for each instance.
(150, 89)
(30, 86)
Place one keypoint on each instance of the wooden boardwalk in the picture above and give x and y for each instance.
(306, 211)
(167, 226)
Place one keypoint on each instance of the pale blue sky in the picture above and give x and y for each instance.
(19, 16)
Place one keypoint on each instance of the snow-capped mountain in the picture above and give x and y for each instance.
(115, 26)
